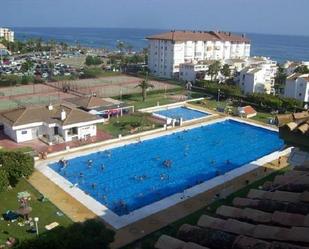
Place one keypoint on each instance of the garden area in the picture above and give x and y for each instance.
(30, 221)
(129, 124)
(20, 228)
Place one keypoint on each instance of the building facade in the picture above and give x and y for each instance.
(51, 124)
(7, 34)
(258, 76)
(297, 87)
(168, 50)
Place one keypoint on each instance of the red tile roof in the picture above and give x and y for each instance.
(199, 36)
(249, 110)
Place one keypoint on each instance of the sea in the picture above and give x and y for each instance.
(277, 47)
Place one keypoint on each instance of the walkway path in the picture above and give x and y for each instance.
(67, 204)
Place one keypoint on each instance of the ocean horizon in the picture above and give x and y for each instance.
(277, 47)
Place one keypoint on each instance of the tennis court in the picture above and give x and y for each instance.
(109, 86)
(33, 99)
(25, 89)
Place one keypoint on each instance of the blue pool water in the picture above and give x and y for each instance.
(182, 112)
(132, 176)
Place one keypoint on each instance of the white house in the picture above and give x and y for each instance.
(255, 80)
(190, 71)
(290, 66)
(52, 124)
(297, 87)
(168, 50)
(7, 34)
(258, 76)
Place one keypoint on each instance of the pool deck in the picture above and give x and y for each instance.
(138, 229)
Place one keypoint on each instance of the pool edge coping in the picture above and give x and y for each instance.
(117, 221)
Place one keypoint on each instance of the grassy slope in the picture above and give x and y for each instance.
(46, 212)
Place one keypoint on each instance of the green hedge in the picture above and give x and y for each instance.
(261, 100)
(225, 89)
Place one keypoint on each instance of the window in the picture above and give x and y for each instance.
(24, 132)
(73, 131)
(299, 94)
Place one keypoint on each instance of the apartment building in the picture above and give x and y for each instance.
(7, 34)
(168, 50)
(297, 87)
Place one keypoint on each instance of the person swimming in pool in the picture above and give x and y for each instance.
(93, 185)
(81, 174)
(167, 163)
(89, 163)
(102, 167)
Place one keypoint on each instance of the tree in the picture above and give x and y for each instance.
(280, 76)
(4, 180)
(16, 164)
(26, 66)
(226, 71)
(214, 69)
(89, 234)
(93, 60)
(302, 69)
(145, 85)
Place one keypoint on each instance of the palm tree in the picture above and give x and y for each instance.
(145, 85)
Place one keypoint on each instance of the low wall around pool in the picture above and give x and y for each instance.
(121, 221)
(169, 120)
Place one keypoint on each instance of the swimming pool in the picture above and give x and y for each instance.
(182, 112)
(130, 177)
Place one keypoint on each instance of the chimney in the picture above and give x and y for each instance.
(50, 107)
(63, 115)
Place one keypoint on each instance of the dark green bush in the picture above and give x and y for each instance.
(16, 164)
(4, 180)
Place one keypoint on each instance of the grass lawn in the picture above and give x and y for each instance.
(152, 99)
(129, 124)
(46, 212)
(211, 104)
(263, 117)
(171, 230)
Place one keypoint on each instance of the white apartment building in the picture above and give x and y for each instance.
(190, 71)
(258, 76)
(168, 50)
(297, 87)
(7, 34)
(290, 66)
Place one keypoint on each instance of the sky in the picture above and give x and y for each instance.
(255, 16)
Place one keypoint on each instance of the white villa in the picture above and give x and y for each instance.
(190, 71)
(7, 34)
(168, 50)
(297, 87)
(258, 76)
(51, 124)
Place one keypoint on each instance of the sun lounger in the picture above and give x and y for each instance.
(51, 226)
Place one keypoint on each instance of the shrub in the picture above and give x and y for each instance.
(291, 104)
(89, 234)
(4, 180)
(93, 60)
(92, 72)
(267, 100)
(225, 89)
(16, 164)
